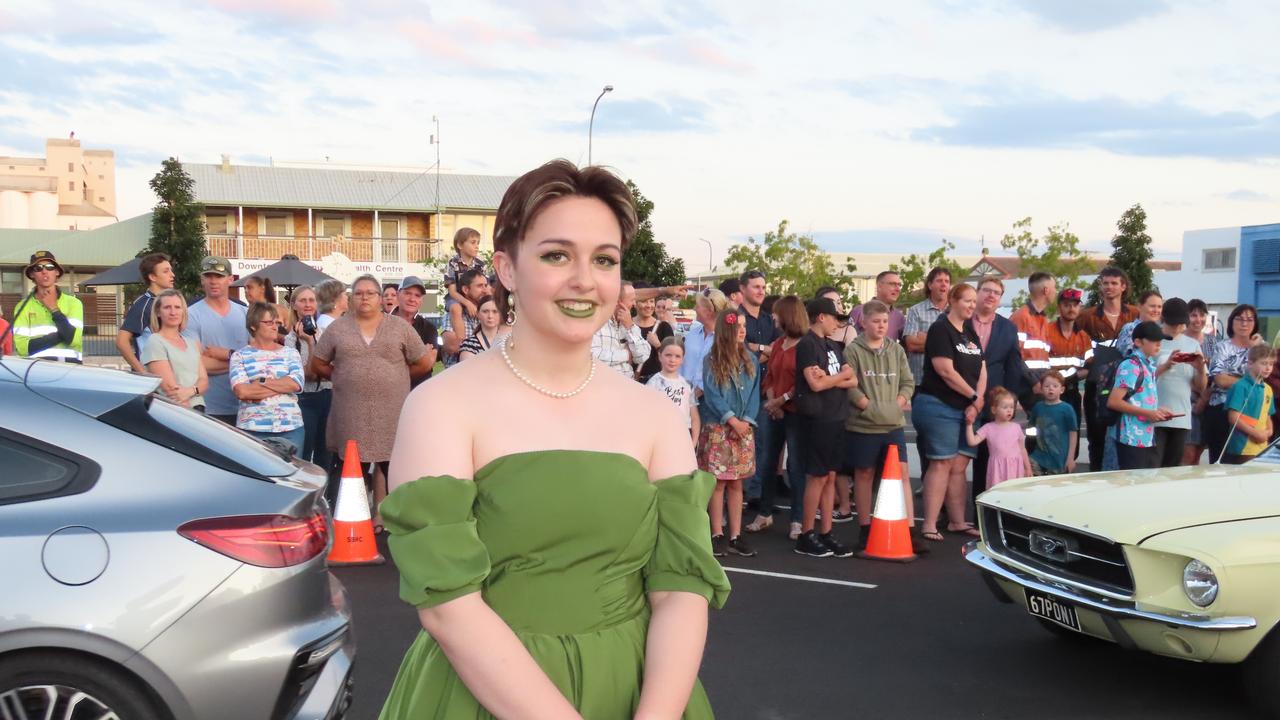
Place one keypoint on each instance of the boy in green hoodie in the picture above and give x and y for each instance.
(878, 402)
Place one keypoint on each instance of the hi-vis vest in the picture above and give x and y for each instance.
(35, 321)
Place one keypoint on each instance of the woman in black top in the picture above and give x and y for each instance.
(654, 331)
(951, 395)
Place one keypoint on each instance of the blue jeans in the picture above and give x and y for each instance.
(294, 437)
(315, 417)
(766, 467)
(795, 471)
(770, 437)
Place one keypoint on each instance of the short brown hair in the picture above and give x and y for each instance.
(1054, 375)
(532, 192)
(256, 313)
(991, 279)
(874, 307)
(463, 235)
(149, 263)
(792, 317)
(1261, 352)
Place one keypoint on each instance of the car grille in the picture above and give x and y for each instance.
(1066, 553)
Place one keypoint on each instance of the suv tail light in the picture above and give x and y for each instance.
(262, 540)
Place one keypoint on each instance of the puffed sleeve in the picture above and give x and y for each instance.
(433, 540)
(682, 559)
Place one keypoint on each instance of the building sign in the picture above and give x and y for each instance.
(343, 268)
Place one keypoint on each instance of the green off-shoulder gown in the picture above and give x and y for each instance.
(564, 545)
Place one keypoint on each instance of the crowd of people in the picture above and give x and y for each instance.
(790, 403)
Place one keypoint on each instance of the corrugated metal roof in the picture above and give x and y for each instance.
(322, 188)
(104, 247)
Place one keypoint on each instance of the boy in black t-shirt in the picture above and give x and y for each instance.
(822, 378)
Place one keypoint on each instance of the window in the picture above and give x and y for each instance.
(217, 223)
(280, 224)
(71, 186)
(331, 225)
(71, 167)
(34, 470)
(100, 177)
(1220, 259)
(392, 228)
(101, 199)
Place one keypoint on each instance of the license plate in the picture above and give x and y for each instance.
(1051, 608)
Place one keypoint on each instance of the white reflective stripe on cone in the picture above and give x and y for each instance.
(353, 501)
(889, 502)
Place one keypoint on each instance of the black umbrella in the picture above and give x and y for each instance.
(123, 274)
(287, 272)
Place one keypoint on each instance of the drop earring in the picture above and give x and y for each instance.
(511, 309)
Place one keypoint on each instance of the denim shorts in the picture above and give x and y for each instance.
(939, 428)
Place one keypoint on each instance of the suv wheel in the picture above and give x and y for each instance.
(69, 687)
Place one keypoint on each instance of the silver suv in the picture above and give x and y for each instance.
(158, 564)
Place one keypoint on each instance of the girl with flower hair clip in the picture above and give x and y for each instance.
(726, 446)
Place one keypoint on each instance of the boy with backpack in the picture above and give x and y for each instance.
(1134, 398)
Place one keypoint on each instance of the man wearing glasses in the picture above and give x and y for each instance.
(888, 289)
(219, 325)
(50, 323)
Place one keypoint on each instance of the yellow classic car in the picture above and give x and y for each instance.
(1182, 562)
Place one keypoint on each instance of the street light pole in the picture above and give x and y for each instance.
(592, 123)
(710, 268)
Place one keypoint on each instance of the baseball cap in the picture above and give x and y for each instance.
(1149, 331)
(1070, 295)
(824, 306)
(1176, 312)
(215, 265)
(413, 281)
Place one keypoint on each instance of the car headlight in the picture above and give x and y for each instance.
(1199, 583)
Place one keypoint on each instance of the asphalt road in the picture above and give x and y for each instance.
(928, 641)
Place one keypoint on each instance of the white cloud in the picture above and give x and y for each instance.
(730, 115)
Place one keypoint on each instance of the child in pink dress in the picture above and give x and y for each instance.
(1005, 440)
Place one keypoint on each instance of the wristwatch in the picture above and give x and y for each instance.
(262, 379)
(973, 398)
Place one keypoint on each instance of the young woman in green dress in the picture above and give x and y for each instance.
(561, 566)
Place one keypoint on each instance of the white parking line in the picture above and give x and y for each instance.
(785, 576)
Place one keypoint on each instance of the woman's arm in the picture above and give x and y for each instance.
(168, 381)
(673, 652)
(946, 370)
(1225, 380)
(202, 375)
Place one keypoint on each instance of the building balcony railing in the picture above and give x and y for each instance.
(359, 249)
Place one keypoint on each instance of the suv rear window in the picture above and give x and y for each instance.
(199, 437)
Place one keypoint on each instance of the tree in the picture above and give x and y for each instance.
(1131, 252)
(646, 259)
(177, 225)
(1057, 253)
(793, 264)
(914, 268)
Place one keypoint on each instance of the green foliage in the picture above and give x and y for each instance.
(914, 268)
(646, 259)
(793, 264)
(1131, 252)
(177, 225)
(1057, 252)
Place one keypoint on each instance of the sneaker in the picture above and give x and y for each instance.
(837, 548)
(719, 547)
(809, 544)
(840, 517)
(738, 547)
(795, 531)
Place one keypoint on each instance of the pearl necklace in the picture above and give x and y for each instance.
(502, 346)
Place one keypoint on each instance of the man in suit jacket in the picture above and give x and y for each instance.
(1005, 367)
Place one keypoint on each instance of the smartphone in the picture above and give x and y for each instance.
(1177, 415)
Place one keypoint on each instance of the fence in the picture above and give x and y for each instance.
(358, 249)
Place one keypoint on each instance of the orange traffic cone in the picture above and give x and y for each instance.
(890, 537)
(353, 539)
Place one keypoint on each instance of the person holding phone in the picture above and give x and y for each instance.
(1136, 397)
(1184, 371)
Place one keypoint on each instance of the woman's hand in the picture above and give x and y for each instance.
(970, 414)
(739, 428)
(302, 334)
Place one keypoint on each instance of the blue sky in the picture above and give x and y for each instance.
(870, 124)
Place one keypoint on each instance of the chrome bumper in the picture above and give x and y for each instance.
(1108, 608)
